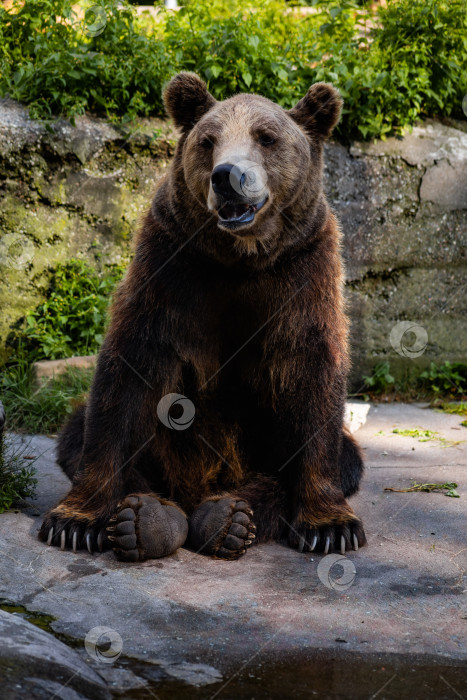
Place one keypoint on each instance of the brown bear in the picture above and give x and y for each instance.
(215, 417)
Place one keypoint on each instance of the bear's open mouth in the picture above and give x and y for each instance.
(236, 213)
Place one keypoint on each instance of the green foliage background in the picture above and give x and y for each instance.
(392, 65)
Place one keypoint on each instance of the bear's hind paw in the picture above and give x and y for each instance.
(223, 528)
(146, 528)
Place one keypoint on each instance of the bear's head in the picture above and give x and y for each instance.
(247, 161)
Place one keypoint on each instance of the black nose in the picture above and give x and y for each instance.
(227, 180)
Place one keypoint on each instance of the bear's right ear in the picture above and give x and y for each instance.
(186, 99)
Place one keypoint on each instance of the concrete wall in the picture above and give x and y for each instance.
(79, 191)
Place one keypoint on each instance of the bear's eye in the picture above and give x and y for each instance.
(207, 143)
(266, 139)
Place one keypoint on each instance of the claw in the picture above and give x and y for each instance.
(63, 539)
(111, 538)
(355, 543)
(342, 544)
(75, 542)
(110, 529)
(251, 536)
(88, 542)
(327, 545)
(50, 536)
(301, 543)
(248, 543)
(100, 540)
(313, 544)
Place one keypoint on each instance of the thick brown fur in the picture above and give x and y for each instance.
(249, 324)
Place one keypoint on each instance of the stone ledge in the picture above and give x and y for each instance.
(44, 370)
(18, 131)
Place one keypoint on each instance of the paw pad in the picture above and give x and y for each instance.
(145, 528)
(223, 528)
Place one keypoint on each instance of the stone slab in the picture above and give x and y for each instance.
(401, 203)
(356, 413)
(200, 622)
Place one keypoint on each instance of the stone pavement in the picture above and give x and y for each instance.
(389, 623)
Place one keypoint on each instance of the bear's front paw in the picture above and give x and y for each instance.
(146, 528)
(328, 537)
(222, 527)
(65, 528)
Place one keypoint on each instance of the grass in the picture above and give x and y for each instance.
(41, 409)
(17, 478)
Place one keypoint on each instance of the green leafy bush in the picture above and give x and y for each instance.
(72, 319)
(392, 65)
(51, 58)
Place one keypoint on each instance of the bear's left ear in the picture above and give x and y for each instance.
(319, 111)
(186, 99)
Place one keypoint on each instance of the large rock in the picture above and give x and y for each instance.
(33, 664)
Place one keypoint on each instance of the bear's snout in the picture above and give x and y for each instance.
(240, 191)
(228, 181)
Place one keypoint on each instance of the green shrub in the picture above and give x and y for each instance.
(446, 379)
(415, 66)
(404, 61)
(72, 319)
(244, 50)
